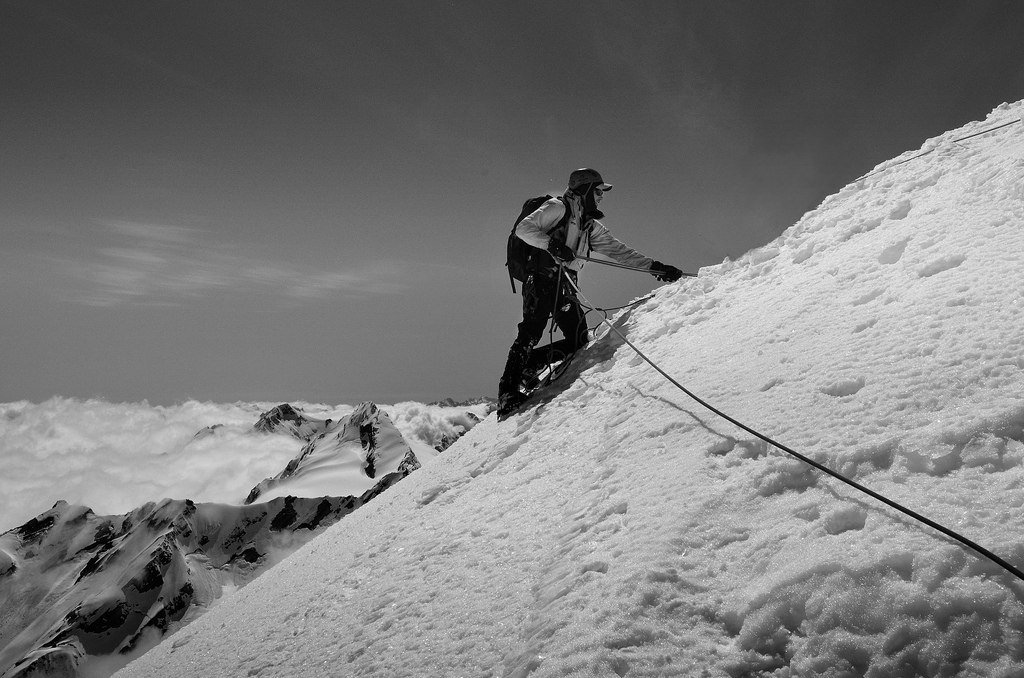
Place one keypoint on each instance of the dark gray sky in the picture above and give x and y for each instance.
(309, 200)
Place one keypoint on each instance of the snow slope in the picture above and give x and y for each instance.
(617, 528)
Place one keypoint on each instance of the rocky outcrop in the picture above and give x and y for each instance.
(447, 440)
(285, 418)
(469, 402)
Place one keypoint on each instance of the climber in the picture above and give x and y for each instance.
(563, 228)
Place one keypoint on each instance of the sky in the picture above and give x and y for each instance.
(309, 201)
(614, 527)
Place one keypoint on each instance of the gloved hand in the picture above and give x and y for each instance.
(665, 273)
(560, 251)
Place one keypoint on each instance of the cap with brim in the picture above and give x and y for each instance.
(586, 176)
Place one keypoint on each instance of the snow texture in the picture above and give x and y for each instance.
(616, 528)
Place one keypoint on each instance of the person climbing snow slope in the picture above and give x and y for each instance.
(564, 229)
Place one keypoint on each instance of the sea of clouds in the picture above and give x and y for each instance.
(113, 457)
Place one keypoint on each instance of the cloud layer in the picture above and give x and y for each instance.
(113, 457)
(156, 264)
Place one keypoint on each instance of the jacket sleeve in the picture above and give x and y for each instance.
(601, 240)
(535, 228)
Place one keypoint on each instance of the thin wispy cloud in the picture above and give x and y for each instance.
(153, 232)
(157, 264)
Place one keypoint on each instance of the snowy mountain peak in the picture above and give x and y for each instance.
(616, 528)
(285, 418)
(347, 457)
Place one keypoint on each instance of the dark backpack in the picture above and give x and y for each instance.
(519, 253)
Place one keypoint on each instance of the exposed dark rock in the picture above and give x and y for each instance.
(60, 661)
(269, 421)
(208, 431)
(250, 555)
(469, 402)
(109, 619)
(34, 530)
(285, 517)
(285, 418)
(446, 442)
(368, 439)
(323, 510)
(409, 464)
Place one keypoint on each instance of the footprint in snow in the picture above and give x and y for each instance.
(783, 475)
(941, 264)
(845, 520)
(843, 387)
(893, 253)
(901, 210)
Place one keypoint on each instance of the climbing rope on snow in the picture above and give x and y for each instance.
(807, 460)
(606, 311)
(932, 150)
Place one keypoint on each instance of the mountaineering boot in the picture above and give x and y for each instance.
(509, 394)
(536, 376)
(508, 403)
(531, 377)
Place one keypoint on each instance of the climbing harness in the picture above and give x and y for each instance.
(554, 311)
(824, 469)
(562, 273)
(557, 357)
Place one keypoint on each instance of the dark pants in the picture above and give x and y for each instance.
(542, 298)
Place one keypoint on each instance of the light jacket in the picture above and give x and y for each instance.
(536, 229)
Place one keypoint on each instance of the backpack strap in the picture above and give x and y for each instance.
(517, 249)
(559, 231)
(560, 227)
(530, 262)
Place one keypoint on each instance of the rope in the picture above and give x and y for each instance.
(615, 264)
(932, 150)
(606, 311)
(561, 355)
(554, 312)
(824, 469)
